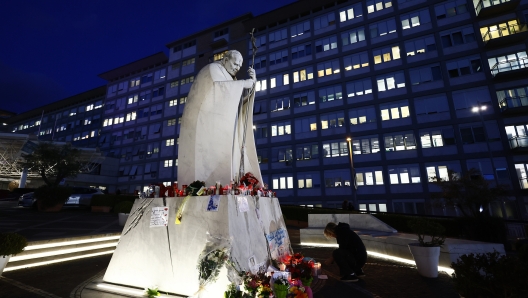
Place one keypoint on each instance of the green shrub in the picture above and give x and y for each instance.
(123, 207)
(103, 200)
(491, 275)
(11, 244)
(51, 196)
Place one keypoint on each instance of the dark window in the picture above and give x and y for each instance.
(475, 65)
(453, 73)
(446, 41)
(469, 37)
(431, 47)
(465, 70)
(457, 38)
(437, 75)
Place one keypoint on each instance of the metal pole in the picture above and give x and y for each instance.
(353, 173)
(489, 150)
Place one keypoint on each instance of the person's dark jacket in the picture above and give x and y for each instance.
(349, 240)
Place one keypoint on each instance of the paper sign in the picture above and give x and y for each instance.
(159, 217)
(252, 262)
(214, 200)
(242, 204)
(276, 241)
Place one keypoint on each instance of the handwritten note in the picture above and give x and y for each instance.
(159, 217)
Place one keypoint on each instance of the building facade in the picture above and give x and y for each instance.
(379, 96)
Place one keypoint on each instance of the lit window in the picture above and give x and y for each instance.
(351, 12)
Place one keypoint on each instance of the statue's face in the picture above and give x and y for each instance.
(233, 64)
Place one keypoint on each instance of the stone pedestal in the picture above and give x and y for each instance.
(167, 257)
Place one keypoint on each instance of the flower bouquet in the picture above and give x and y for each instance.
(297, 292)
(210, 264)
(233, 292)
(301, 270)
(194, 187)
(249, 180)
(213, 257)
(280, 286)
(256, 284)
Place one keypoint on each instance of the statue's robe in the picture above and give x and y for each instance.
(212, 128)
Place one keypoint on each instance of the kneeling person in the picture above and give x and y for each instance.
(351, 254)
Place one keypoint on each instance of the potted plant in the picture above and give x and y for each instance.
(10, 244)
(51, 198)
(426, 253)
(102, 203)
(123, 209)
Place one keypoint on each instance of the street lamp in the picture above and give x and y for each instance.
(478, 109)
(352, 172)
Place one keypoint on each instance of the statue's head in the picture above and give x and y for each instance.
(232, 61)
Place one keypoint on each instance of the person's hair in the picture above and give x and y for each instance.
(329, 230)
(231, 54)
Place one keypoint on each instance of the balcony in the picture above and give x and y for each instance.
(505, 34)
(514, 105)
(519, 143)
(486, 8)
(508, 69)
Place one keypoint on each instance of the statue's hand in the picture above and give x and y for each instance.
(252, 74)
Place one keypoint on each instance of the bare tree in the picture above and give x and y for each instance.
(469, 192)
(53, 162)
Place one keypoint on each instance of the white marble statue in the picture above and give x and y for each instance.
(212, 128)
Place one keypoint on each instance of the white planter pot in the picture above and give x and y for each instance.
(122, 218)
(426, 259)
(3, 263)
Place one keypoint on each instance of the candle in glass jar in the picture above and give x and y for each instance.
(316, 270)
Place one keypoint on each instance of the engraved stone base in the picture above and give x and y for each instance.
(167, 257)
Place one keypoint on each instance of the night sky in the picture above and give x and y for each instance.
(50, 50)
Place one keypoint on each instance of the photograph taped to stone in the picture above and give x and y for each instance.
(253, 267)
(159, 217)
(242, 204)
(214, 201)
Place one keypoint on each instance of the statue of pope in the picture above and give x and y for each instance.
(213, 125)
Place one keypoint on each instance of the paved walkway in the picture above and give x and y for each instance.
(383, 278)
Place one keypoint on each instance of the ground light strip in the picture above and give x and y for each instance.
(61, 252)
(440, 268)
(121, 289)
(388, 257)
(73, 242)
(58, 261)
